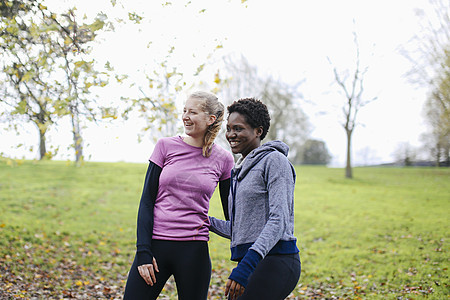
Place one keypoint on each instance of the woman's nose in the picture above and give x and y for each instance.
(230, 134)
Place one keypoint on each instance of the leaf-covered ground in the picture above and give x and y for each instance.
(39, 266)
(69, 233)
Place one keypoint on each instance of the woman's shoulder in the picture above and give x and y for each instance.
(175, 138)
(164, 144)
(277, 159)
(167, 140)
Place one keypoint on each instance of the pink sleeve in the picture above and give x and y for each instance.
(227, 166)
(158, 156)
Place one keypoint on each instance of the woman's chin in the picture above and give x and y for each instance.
(235, 151)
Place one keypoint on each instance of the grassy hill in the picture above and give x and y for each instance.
(68, 232)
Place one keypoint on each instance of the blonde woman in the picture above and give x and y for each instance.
(173, 224)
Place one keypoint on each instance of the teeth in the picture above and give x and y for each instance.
(232, 144)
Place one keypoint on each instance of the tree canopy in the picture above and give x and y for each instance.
(47, 73)
(51, 73)
(429, 53)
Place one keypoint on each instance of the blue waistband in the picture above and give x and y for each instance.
(282, 247)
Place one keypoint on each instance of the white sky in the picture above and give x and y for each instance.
(289, 39)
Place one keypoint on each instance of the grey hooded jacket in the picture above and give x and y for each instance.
(261, 204)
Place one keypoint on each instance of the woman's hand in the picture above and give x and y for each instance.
(233, 289)
(148, 272)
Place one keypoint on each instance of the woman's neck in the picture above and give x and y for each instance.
(196, 142)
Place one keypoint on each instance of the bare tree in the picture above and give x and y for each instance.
(437, 115)
(427, 49)
(288, 121)
(353, 88)
(429, 54)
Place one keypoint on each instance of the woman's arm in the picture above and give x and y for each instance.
(145, 214)
(220, 227)
(224, 191)
(280, 183)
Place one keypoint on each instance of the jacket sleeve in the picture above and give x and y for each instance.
(280, 181)
(220, 227)
(224, 191)
(145, 215)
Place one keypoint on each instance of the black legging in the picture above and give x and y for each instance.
(188, 262)
(274, 278)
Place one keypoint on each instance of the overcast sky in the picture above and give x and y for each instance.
(290, 40)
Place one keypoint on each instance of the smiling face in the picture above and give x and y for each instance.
(241, 136)
(195, 120)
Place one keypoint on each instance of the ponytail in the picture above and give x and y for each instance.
(213, 130)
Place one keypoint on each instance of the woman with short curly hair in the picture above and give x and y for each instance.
(261, 206)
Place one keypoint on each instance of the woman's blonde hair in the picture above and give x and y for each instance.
(211, 106)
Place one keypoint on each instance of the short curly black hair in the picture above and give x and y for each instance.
(254, 111)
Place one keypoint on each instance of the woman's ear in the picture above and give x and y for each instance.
(259, 131)
(211, 120)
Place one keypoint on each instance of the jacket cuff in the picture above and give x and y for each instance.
(245, 268)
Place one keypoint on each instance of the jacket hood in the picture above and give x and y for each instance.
(259, 153)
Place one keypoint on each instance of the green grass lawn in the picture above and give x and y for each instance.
(68, 232)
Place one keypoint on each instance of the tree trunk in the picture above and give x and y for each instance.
(77, 140)
(42, 128)
(447, 157)
(438, 155)
(348, 167)
(42, 146)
